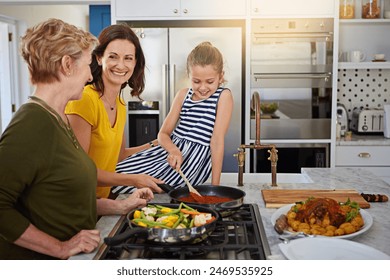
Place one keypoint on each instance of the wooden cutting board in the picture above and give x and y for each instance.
(279, 198)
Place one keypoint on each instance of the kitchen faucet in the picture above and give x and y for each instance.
(255, 105)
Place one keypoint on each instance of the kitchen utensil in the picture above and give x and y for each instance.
(371, 197)
(281, 197)
(167, 236)
(321, 248)
(224, 208)
(286, 238)
(197, 196)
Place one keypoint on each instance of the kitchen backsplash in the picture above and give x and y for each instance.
(368, 88)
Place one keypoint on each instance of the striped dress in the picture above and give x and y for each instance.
(192, 136)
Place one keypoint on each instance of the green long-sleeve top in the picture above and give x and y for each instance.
(44, 180)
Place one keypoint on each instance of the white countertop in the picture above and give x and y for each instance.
(377, 237)
(365, 140)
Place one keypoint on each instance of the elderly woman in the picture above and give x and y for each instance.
(47, 182)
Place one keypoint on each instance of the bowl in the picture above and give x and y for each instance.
(269, 108)
(379, 56)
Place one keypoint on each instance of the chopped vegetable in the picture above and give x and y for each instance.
(158, 216)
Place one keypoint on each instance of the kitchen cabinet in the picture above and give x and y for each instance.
(363, 84)
(372, 158)
(296, 8)
(178, 8)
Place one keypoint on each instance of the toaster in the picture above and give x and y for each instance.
(366, 120)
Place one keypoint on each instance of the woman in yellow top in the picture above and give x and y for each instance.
(98, 118)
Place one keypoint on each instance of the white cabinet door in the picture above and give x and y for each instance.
(178, 8)
(146, 8)
(293, 7)
(210, 8)
(362, 156)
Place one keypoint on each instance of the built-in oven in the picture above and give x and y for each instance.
(143, 122)
(291, 158)
(291, 66)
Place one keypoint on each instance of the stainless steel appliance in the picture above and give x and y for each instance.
(342, 118)
(291, 64)
(166, 45)
(291, 158)
(240, 236)
(143, 118)
(366, 120)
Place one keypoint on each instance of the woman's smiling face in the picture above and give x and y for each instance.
(118, 62)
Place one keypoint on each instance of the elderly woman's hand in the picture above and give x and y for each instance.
(139, 198)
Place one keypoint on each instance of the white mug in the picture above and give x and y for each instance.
(356, 56)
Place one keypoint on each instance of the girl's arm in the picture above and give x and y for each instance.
(164, 136)
(126, 152)
(221, 126)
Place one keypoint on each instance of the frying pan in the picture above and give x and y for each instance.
(166, 236)
(224, 208)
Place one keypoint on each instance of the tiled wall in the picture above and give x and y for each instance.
(368, 88)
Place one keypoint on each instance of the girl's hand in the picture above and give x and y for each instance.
(175, 159)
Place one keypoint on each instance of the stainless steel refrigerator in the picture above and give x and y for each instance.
(166, 50)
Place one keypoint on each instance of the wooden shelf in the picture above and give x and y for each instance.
(365, 21)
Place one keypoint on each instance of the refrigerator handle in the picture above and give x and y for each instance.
(165, 93)
(172, 82)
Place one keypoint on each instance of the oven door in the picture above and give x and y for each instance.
(291, 65)
(291, 158)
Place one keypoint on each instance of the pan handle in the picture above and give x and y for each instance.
(166, 188)
(122, 237)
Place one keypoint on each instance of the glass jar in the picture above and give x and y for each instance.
(371, 9)
(347, 9)
(386, 9)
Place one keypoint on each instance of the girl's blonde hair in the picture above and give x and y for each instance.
(205, 54)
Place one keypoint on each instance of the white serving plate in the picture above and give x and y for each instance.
(367, 218)
(323, 248)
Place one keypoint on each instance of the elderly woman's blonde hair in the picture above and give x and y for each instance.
(44, 45)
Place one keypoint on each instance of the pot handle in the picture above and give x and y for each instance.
(166, 188)
(122, 237)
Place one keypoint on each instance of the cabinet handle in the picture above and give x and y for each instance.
(364, 155)
(175, 11)
(185, 11)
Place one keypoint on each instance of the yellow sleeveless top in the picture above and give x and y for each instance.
(105, 140)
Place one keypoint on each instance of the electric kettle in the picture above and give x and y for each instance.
(342, 118)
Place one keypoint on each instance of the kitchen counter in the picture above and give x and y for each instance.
(365, 140)
(377, 237)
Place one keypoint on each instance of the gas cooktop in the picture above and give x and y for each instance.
(239, 236)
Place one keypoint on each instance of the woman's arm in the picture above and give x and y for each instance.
(84, 242)
(221, 126)
(82, 130)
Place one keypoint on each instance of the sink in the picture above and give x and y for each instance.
(263, 178)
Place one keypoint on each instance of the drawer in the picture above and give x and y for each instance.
(362, 155)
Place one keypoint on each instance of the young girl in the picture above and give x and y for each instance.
(192, 135)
